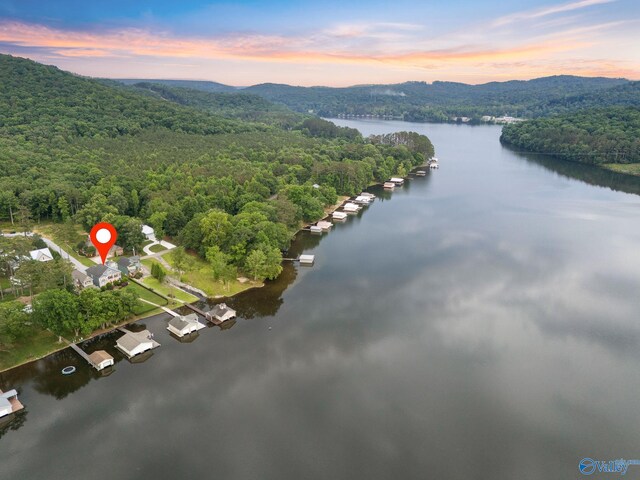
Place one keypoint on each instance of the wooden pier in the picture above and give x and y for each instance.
(83, 354)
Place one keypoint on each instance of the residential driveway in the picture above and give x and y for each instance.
(167, 245)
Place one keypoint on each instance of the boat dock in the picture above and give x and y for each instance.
(204, 314)
(98, 360)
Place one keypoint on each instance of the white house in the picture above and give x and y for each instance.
(222, 312)
(135, 343)
(9, 403)
(101, 275)
(101, 359)
(41, 255)
(148, 232)
(184, 325)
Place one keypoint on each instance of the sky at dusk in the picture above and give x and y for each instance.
(335, 43)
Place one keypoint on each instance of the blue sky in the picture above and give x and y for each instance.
(329, 43)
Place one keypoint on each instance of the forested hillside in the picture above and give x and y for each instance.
(203, 86)
(440, 101)
(41, 102)
(243, 106)
(592, 136)
(77, 150)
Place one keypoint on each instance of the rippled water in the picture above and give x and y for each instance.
(481, 322)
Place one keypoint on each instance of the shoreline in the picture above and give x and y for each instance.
(342, 199)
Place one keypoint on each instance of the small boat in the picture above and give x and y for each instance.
(68, 370)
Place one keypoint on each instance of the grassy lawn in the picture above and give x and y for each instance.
(36, 344)
(141, 292)
(157, 248)
(628, 168)
(198, 273)
(66, 236)
(168, 290)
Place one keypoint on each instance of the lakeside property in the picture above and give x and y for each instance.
(154, 295)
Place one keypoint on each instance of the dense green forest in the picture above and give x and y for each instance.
(243, 106)
(595, 136)
(440, 101)
(79, 150)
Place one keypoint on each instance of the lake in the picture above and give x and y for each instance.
(480, 322)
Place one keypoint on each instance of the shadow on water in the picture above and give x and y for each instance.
(46, 373)
(587, 173)
(13, 422)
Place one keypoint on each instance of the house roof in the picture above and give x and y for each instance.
(80, 276)
(36, 254)
(126, 261)
(100, 356)
(99, 270)
(147, 230)
(131, 340)
(221, 309)
(179, 323)
(9, 394)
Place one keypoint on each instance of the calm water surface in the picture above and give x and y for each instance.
(481, 322)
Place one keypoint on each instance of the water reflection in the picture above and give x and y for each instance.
(482, 324)
(587, 173)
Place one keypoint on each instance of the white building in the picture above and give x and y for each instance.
(135, 343)
(9, 403)
(148, 232)
(351, 207)
(339, 215)
(101, 359)
(307, 259)
(324, 225)
(184, 325)
(222, 312)
(101, 275)
(41, 255)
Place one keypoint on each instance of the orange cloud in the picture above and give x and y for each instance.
(136, 42)
(535, 57)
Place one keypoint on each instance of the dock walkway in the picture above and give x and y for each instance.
(204, 314)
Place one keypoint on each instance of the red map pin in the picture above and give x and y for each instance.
(103, 236)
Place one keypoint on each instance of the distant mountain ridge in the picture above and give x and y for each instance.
(202, 85)
(440, 100)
